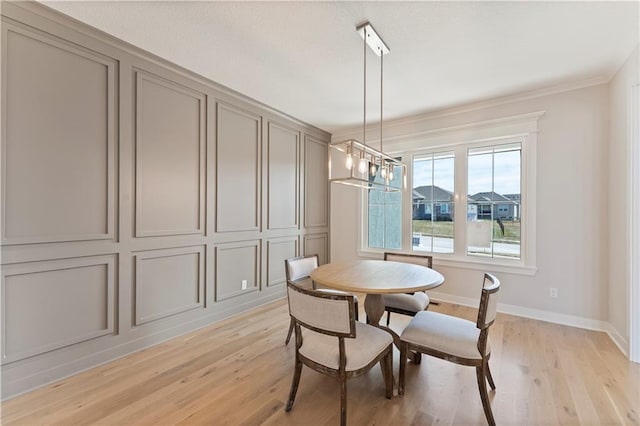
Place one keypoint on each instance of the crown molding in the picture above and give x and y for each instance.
(424, 117)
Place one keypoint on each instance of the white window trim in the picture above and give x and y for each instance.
(524, 128)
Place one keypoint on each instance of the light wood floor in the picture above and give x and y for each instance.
(238, 372)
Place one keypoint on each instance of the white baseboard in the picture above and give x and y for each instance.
(538, 314)
(617, 338)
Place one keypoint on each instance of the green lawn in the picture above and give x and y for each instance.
(445, 229)
(437, 229)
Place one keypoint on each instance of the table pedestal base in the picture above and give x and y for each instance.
(374, 308)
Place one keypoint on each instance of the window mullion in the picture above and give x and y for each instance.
(493, 201)
(407, 205)
(460, 201)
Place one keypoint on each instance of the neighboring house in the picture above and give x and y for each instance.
(432, 201)
(504, 206)
(516, 208)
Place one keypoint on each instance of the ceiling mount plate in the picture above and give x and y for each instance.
(374, 41)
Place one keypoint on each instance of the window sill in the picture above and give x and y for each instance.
(466, 263)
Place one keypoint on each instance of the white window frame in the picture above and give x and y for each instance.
(520, 128)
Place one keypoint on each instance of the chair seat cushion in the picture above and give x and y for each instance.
(444, 333)
(415, 302)
(365, 347)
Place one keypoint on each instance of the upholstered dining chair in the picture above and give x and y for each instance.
(298, 269)
(456, 340)
(412, 303)
(330, 341)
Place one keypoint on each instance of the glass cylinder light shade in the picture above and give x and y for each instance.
(362, 165)
(349, 162)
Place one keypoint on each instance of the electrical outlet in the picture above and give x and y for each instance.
(553, 292)
(244, 284)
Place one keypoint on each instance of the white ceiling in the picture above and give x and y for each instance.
(305, 58)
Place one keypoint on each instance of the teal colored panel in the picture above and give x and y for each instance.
(376, 226)
(376, 197)
(393, 226)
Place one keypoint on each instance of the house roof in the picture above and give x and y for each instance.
(491, 196)
(433, 193)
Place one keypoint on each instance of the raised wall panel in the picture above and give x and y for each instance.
(317, 244)
(238, 149)
(283, 152)
(51, 304)
(170, 158)
(316, 182)
(279, 249)
(236, 262)
(58, 167)
(168, 282)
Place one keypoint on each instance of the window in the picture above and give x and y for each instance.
(433, 189)
(493, 187)
(471, 200)
(492, 177)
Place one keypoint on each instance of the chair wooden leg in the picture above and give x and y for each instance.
(386, 365)
(484, 395)
(356, 306)
(404, 349)
(294, 384)
(343, 399)
(490, 378)
(383, 368)
(389, 379)
(286, 342)
(388, 317)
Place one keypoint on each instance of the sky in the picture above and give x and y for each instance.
(506, 172)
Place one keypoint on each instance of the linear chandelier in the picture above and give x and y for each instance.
(365, 166)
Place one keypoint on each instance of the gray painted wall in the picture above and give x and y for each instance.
(139, 201)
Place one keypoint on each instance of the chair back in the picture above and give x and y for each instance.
(488, 301)
(417, 259)
(327, 313)
(300, 266)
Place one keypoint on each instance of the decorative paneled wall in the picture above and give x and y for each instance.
(279, 249)
(52, 304)
(238, 147)
(168, 282)
(139, 200)
(316, 214)
(283, 152)
(60, 101)
(170, 123)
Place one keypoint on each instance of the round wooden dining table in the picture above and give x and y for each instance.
(375, 278)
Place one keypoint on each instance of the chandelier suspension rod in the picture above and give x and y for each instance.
(381, 79)
(364, 120)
